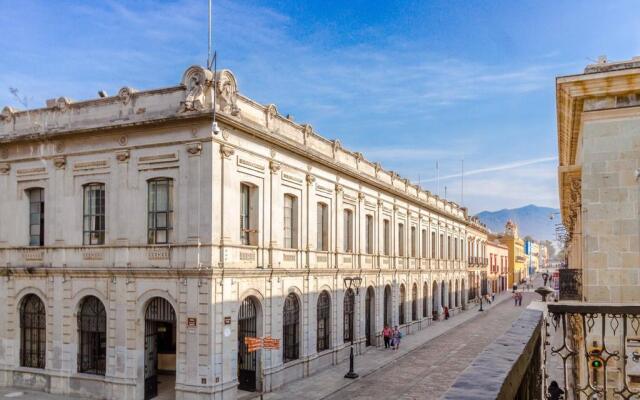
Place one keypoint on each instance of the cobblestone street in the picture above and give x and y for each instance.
(427, 372)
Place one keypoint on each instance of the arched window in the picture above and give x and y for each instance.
(36, 216)
(349, 308)
(425, 299)
(93, 214)
(403, 299)
(387, 305)
(160, 209)
(324, 321)
(92, 334)
(414, 302)
(33, 334)
(290, 328)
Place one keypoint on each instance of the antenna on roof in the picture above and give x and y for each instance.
(212, 61)
(462, 182)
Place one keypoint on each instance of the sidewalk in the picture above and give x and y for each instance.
(331, 380)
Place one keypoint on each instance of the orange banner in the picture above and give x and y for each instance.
(271, 343)
(253, 343)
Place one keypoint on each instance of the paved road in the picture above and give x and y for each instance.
(427, 372)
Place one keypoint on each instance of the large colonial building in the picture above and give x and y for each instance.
(140, 243)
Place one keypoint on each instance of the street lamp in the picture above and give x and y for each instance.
(348, 283)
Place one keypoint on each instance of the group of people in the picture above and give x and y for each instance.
(517, 298)
(391, 337)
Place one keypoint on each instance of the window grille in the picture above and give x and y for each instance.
(92, 334)
(324, 321)
(403, 298)
(349, 305)
(290, 328)
(33, 333)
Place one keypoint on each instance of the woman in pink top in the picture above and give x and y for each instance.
(387, 333)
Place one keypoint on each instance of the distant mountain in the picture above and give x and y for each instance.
(531, 220)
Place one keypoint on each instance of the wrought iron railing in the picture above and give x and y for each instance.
(570, 284)
(598, 348)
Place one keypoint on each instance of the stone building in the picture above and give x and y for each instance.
(141, 241)
(599, 155)
(498, 267)
(476, 258)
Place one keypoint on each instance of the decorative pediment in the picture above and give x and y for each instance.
(197, 80)
(227, 92)
(126, 94)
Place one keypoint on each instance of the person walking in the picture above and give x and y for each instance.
(397, 335)
(520, 299)
(387, 333)
(446, 312)
(515, 299)
(493, 297)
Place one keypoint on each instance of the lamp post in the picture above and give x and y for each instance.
(348, 283)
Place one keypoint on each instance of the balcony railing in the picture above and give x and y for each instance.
(570, 284)
(596, 349)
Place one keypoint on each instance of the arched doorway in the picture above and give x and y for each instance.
(403, 299)
(247, 361)
(456, 294)
(33, 332)
(370, 312)
(463, 294)
(160, 348)
(450, 295)
(387, 305)
(435, 296)
(425, 300)
(414, 302)
(443, 292)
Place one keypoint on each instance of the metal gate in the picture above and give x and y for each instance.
(368, 313)
(158, 310)
(247, 362)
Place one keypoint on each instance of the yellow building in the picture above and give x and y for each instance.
(517, 260)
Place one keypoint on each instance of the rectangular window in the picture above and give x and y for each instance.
(248, 214)
(401, 240)
(441, 246)
(455, 245)
(160, 210)
(449, 253)
(36, 217)
(433, 245)
(424, 243)
(347, 239)
(414, 241)
(93, 214)
(290, 222)
(369, 229)
(387, 237)
(323, 227)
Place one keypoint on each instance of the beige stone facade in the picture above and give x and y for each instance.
(599, 145)
(174, 227)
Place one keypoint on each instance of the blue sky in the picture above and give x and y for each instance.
(407, 83)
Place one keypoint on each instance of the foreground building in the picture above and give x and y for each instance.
(140, 245)
(599, 156)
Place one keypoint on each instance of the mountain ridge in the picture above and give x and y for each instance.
(531, 219)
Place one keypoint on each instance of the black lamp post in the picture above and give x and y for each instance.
(355, 282)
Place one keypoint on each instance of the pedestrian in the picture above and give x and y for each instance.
(387, 333)
(397, 335)
(515, 299)
(520, 299)
(446, 312)
(555, 393)
(493, 296)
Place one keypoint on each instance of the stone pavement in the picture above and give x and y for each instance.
(425, 365)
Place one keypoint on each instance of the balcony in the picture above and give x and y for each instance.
(592, 351)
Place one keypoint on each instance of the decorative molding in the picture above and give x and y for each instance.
(274, 166)
(60, 162)
(291, 178)
(349, 197)
(4, 153)
(227, 92)
(307, 130)
(7, 114)
(339, 188)
(122, 140)
(325, 189)
(161, 158)
(89, 165)
(194, 148)
(125, 94)
(33, 254)
(59, 147)
(361, 196)
(31, 171)
(158, 253)
(310, 179)
(270, 113)
(92, 254)
(226, 151)
(197, 80)
(5, 168)
(123, 155)
(380, 202)
(243, 162)
(336, 145)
